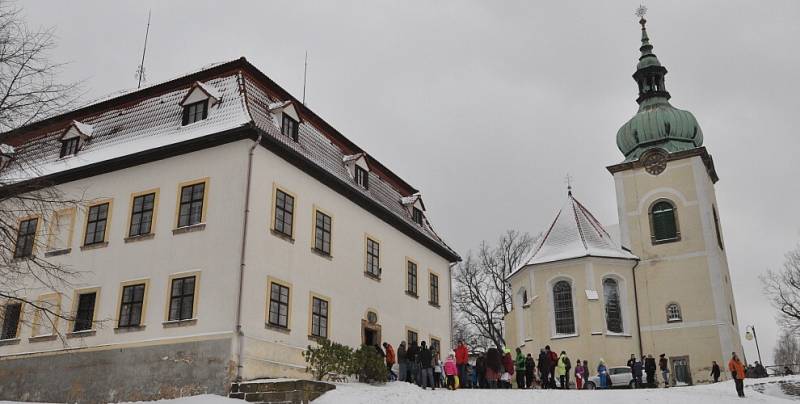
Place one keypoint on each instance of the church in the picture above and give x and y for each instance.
(664, 285)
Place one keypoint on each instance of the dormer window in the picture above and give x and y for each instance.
(416, 215)
(362, 177)
(415, 207)
(6, 154)
(74, 137)
(69, 147)
(195, 112)
(290, 127)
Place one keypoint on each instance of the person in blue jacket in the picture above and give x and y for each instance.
(602, 372)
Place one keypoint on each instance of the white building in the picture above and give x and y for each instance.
(225, 228)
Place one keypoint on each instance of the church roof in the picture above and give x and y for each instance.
(575, 233)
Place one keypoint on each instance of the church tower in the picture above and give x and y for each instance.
(670, 219)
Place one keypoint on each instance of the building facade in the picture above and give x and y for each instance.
(667, 289)
(221, 228)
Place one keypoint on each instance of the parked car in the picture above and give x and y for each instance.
(621, 376)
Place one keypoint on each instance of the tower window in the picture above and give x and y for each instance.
(663, 222)
(69, 147)
(195, 112)
(362, 177)
(674, 313)
(716, 227)
(562, 307)
(613, 308)
(289, 127)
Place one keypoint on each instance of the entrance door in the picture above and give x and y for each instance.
(370, 333)
(681, 371)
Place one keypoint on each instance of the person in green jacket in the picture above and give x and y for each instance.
(562, 369)
(519, 367)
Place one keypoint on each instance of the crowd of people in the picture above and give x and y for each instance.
(498, 368)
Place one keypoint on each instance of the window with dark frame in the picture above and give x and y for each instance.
(412, 337)
(130, 309)
(674, 313)
(434, 290)
(84, 316)
(279, 305)
(563, 311)
(181, 298)
(322, 233)
(26, 235)
(11, 317)
(191, 207)
(69, 147)
(411, 287)
(195, 112)
(613, 308)
(319, 317)
(373, 258)
(416, 215)
(284, 212)
(664, 222)
(142, 215)
(290, 127)
(362, 177)
(96, 224)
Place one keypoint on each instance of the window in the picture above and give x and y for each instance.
(524, 297)
(716, 227)
(84, 315)
(195, 112)
(412, 337)
(562, 304)
(11, 317)
(733, 319)
(322, 233)
(319, 317)
(181, 298)
(373, 258)
(362, 177)
(613, 308)
(190, 211)
(142, 214)
(279, 305)
(411, 287)
(69, 147)
(434, 289)
(46, 316)
(96, 224)
(284, 212)
(436, 346)
(289, 127)
(663, 222)
(26, 235)
(416, 215)
(130, 310)
(674, 313)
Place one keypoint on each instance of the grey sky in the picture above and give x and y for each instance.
(485, 106)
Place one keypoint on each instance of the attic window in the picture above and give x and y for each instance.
(194, 112)
(362, 177)
(290, 127)
(69, 147)
(74, 137)
(6, 154)
(416, 216)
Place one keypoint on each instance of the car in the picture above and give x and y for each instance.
(621, 376)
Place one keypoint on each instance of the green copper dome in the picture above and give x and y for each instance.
(657, 123)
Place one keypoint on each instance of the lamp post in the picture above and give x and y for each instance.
(750, 334)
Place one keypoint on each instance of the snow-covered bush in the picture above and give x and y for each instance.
(328, 357)
(368, 365)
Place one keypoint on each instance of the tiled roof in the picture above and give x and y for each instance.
(151, 118)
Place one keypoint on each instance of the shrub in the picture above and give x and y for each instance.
(326, 358)
(368, 365)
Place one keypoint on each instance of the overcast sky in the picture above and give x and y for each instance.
(486, 106)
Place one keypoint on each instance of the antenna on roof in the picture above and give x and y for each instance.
(568, 181)
(305, 76)
(140, 70)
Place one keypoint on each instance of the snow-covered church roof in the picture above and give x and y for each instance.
(575, 233)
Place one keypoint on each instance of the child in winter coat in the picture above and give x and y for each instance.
(451, 370)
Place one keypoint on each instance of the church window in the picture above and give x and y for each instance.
(716, 227)
(663, 222)
(563, 311)
(674, 313)
(613, 309)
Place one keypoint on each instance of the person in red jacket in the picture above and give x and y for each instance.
(390, 359)
(462, 359)
(553, 357)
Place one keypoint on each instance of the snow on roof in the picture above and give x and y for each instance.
(575, 233)
(211, 91)
(6, 149)
(352, 157)
(84, 128)
(277, 105)
(410, 200)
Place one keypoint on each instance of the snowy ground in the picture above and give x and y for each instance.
(775, 391)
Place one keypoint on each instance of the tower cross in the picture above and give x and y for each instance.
(568, 181)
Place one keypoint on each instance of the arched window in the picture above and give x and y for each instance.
(562, 306)
(664, 222)
(674, 313)
(613, 308)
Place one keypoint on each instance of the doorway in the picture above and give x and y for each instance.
(370, 333)
(681, 372)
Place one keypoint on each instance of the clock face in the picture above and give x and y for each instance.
(655, 162)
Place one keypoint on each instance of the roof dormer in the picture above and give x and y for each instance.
(7, 153)
(357, 167)
(286, 118)
(74, 137)
(200, 98)
(415, 207)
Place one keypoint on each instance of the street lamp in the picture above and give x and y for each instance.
(750, 335)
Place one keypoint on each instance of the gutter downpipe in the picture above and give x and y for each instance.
(636, 305)
(450, 293)
(242, 264)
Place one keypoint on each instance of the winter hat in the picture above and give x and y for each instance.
(507, 350)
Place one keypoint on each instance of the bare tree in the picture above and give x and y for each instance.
(782, 287)
(29, 91)
(481, 293)
(787, 352)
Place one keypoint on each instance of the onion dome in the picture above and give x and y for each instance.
(657, 124)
